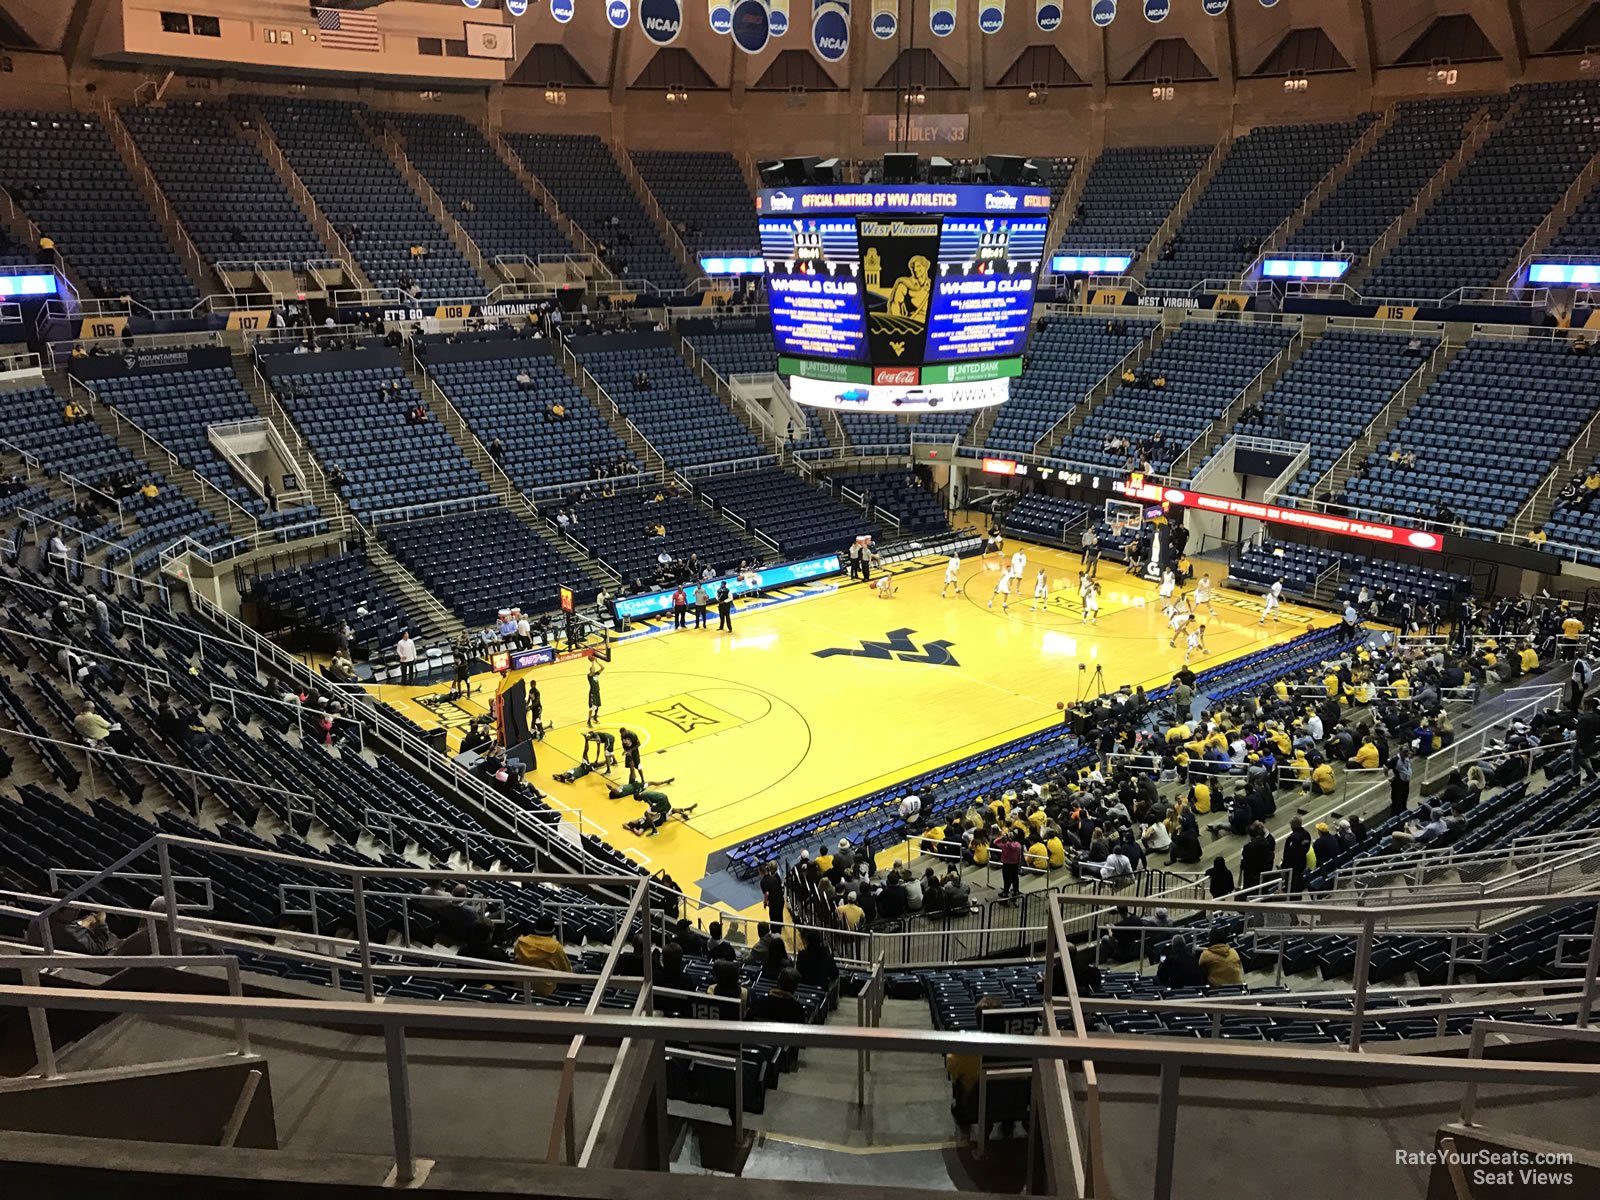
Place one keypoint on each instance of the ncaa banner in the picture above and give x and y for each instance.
(517, 8)
(619, 13)
(1213, 8)
(751, 26)
(562, 10)
(661, 20)
(885, 19)
(1103, 12)
(1047, 15)
(991, 15)
(1269, 3)
(941, 17)
(830, 29)
(720, 14)
(778, 17)
(1155, 11)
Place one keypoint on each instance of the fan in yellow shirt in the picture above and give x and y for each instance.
(1056, 850)
(1322, 779)
(1037, 856)
(1366, 756)
(1528, 659)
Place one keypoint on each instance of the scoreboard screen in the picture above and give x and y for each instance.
(902, 276)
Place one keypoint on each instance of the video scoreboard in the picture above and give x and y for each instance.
(902, 286)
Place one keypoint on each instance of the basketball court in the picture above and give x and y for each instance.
(815, 700)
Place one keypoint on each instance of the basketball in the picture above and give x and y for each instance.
(1060, 704)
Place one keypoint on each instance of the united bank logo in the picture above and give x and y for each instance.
(897, 646)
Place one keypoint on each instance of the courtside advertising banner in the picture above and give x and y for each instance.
(661, 20)
(885, 19)
(778, 17)
(991, 15)
(830, 29)
(941, 17)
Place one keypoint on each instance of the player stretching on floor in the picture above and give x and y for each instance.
(1270, 608)
(952, 576)
(1002, 588)
(1041, 591)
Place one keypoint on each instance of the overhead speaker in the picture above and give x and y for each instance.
(940, 169)
(799, 170)
(900, 168)
(771, 172)
(1005, 168)
(829, 170)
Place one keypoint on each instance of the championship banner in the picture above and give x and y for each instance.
(1047, 15)
(778, 17)
(619, 13)
(941, 17)
(1103, 12)
(830, 29)
(562, 10)
(1213, 8)
(720, 14)
(661, 20)
(751, 25)
(1155, 11)
(885, 19)
(991, 15)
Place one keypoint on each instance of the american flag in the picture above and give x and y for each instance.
(341, 30)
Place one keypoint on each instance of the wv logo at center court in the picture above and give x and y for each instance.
(900, 648)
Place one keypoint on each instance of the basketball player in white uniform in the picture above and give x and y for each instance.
(1002, 588)
(1041, 591)
(1091, 604)
(952, 575)
(1019, 564)
(1202, 594)
(1197, 641)
(1270, 608)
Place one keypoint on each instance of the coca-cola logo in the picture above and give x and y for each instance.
(896, 376)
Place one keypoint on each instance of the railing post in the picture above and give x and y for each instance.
(1166, 1130)
(44, 1050)
(1590, 970)
(169, 897)
(1363, 967)
(363, 943)
(394, 1053)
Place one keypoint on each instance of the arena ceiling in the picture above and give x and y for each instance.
(1248, 40)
